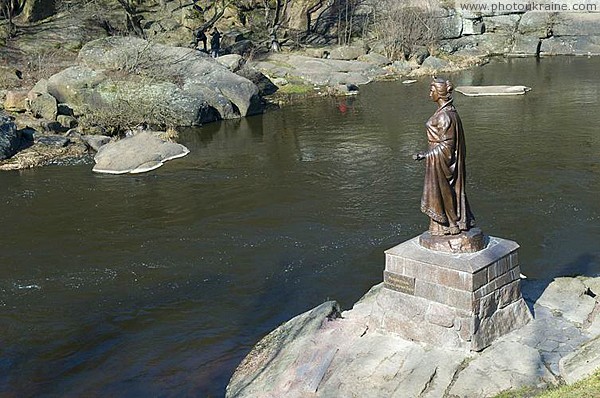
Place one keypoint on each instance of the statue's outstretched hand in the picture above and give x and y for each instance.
(419, 156)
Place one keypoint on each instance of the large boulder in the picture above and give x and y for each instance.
(576, 24)
(571, 45)
(501, 23)
(139, 153)
(347, 53)
(264, 84)
(153, 83)
(536, 24)
(435, 63)
(10, 139)
(16, 100)
(44, 106)
(321, 72)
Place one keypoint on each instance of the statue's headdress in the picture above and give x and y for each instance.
(443, 87)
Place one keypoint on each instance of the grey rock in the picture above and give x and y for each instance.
(51, 126)
(346, 89)
(479, 45)
(66, 121)
(593, 284)
(44, 106)
(502, 23)
(576, 24)
(568, 295)
(435, 63)
(317, 52)
(95, 141)
(139, 153)
(536, 23)
(347, 53)
(52, 140)
(9, 77)
(280, 81)
(264, 84)
(450, 27)
(403, 67)
(41, 87)
(419, 54)
(10, 138)
(512, 365)
(374, 58)
(526, 45)
(233, 62)
(129, 75)
(16, 101)
(241, 47)
(285, 343)
(582, 362)
(571, 45)
(324, 72)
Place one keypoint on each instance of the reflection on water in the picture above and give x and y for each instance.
(159, 284)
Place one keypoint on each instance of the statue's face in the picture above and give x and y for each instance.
(433, 94)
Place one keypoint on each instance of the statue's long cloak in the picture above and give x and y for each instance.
(444, 198)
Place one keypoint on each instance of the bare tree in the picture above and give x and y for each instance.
(401, 28)
(9, 9)
(218, 13)
(133, 17)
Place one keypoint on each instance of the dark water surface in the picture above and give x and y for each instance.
(159, 284)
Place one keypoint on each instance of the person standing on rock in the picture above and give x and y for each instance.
(201, 37)
(215, 42)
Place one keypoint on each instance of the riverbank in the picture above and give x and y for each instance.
(329, 352)
(148, 81)
(104, 93)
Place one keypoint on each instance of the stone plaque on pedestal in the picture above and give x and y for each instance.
(455, 300)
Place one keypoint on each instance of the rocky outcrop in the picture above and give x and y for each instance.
(322, 354)
(153, 83)
(483, 28)
(139, 153)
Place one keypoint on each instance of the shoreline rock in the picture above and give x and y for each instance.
(139, 153)
(324, 352)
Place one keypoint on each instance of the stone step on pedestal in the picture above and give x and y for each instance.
(454, 300)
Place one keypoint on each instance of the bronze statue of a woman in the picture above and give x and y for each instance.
(444, 198)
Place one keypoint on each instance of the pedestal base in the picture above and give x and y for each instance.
(469, 241)
(453, 300)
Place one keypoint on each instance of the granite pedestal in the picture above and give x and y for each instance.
(462, 301)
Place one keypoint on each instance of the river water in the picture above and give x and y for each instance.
(159, 284)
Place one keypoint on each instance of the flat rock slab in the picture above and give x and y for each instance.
(581, 363)
(320, 72)
(320, 354)
(136, 154)
(479, 91)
